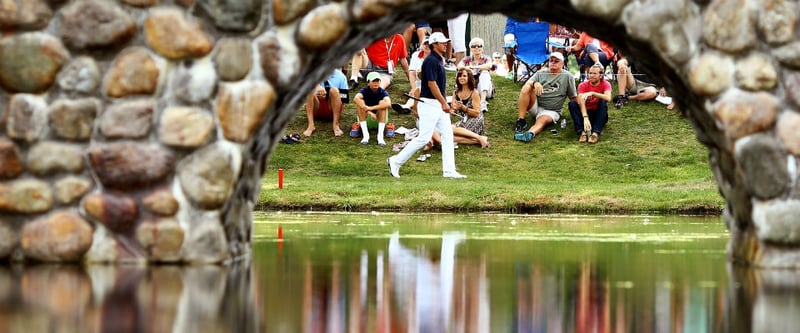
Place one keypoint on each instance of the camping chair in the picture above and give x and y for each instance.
(531, 49)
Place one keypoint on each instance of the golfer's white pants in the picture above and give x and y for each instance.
(431, 117)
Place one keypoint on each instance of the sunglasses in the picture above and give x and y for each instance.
(476, 46)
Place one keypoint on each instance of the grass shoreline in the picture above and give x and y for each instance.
(648, 161)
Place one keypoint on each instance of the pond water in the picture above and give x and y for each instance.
(386, 272)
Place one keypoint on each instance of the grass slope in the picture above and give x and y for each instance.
(647, 160)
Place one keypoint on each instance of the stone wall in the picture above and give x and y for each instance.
(137, 130)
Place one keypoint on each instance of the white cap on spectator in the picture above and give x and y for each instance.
(373, 76)
(438, 37)
(557, 55)
(508, 38)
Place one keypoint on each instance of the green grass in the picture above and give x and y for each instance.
(647, 160)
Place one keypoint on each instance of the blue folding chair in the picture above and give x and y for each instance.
(531, 51)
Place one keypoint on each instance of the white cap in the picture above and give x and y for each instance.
(508, 38)
(556, 55)
(438, 37)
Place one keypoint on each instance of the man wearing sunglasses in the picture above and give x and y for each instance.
(543, 97)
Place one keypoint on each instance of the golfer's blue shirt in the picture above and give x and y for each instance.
(433, 70)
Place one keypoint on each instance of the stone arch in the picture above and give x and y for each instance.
(108, 85)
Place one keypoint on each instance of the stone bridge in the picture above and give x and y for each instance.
(138, 130)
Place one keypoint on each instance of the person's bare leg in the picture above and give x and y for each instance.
(541, 123)
(459, 56)
(510, 63)
(414, 104)
(311, 105)
(645, 94)
(385, 82)
(436, 138)
(624, 77)
(409, 33)
(465, 136)
(527, 97)
(335, 103)
(357, 63)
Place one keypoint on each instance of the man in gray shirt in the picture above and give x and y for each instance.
(543, 97)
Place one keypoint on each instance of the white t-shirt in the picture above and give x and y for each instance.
(416, 62)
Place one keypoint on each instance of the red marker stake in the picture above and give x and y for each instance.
(280, 178)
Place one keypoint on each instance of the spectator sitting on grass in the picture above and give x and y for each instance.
(325, 102)
(470, 129)
(543, 96)
(481, 66)
(590, 110)
(382, 56)
(372, 101)
(631, 88)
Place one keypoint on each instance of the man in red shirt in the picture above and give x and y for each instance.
(589, 111)
(382, 56)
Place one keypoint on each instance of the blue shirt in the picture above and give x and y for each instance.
(433, 70)
(336, 79)
(373, 98)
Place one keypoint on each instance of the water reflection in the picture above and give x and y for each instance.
(71, 298)
(616, 276)
(428, 274)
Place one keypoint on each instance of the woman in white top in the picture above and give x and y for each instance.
(481, 66)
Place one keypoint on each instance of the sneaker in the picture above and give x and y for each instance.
(390, 130)
(355, 131)
(621, 101)
(454, 175)
(521, 125)
(484, 106)
(525, 136)
(394, 168)
(594, 138)
(365, 141)
(352, 84)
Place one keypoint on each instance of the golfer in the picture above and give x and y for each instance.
(434, 112)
